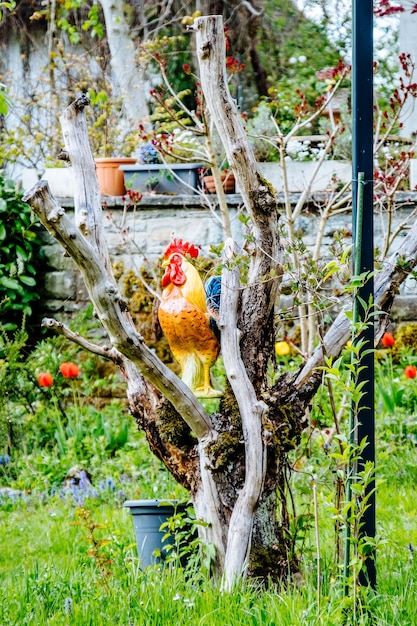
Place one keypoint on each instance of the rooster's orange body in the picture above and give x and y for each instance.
(185, 319)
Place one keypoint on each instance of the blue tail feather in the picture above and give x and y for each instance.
(213, 287)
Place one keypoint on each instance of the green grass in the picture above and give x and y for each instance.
(48, 578)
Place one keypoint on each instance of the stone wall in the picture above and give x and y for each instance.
(143, 233)
(132, 236)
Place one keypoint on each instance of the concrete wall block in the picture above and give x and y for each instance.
(61, 285)
(57, 259)
(198, 228)
(413, 174)
(55, 308)
(299, 174)
(81, 289)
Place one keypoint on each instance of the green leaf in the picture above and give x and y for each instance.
(331, 268)
(357, 488)
(28, 280)
(4, 102)
(21, 253)
(9, 283)
(30, 235)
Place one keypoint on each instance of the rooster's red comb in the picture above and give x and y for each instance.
(182, 247)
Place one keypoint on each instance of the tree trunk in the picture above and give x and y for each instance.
(234, 462)
(128, 76)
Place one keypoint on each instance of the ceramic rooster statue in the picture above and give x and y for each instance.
(186, 320)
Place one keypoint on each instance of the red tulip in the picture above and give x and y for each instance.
(387, 340)
(69, 370)
(45, 379)
(410, 371)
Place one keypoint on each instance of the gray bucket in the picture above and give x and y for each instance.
(148, 516)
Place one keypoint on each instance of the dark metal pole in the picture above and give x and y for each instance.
(362, 161)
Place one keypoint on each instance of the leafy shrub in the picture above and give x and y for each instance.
(20, 258)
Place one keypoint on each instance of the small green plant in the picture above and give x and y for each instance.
(97, 545)
(183, 546)
(6, 5)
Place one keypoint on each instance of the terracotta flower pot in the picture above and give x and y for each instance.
(228, 183)
(110, 178)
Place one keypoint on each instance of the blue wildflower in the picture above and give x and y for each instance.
(110, 484)
(84, 482)
(78, 497)
(148, 153)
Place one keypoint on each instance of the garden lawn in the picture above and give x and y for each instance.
(49, 576)
(68, 555)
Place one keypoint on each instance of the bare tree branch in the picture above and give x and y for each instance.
(61, 329)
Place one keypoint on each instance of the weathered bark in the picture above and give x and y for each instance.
(233, 462)
(246, 322)
(264, 277)
(252, 411)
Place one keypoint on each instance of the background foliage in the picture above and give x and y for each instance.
(21, 258)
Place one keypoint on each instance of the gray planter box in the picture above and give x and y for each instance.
(175, 178)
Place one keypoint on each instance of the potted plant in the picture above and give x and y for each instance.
(152, 175)
(113, 143)
(227, 181)
(59, 178)
(110, 177)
